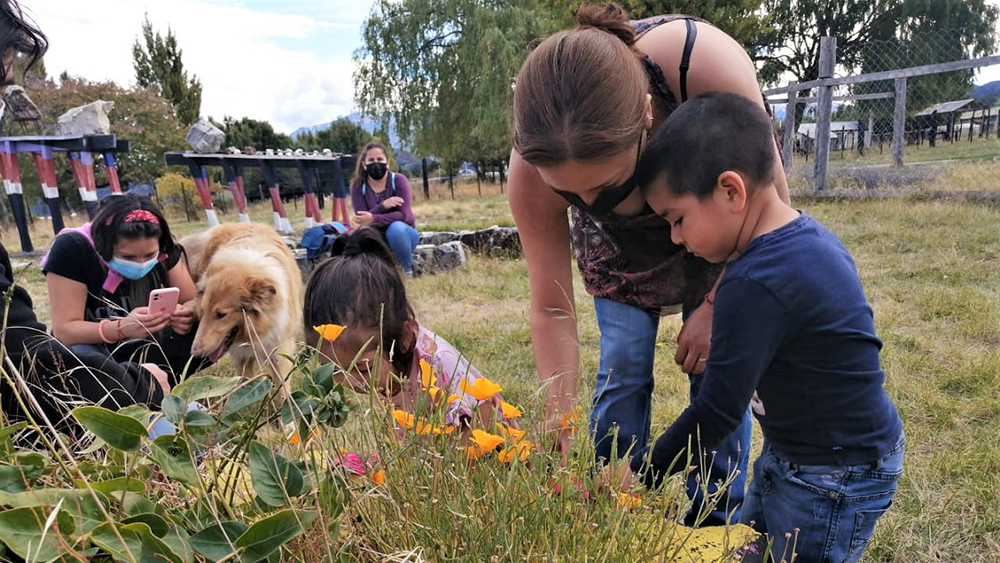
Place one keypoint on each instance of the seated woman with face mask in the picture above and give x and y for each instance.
(382, 200)
(99, 278)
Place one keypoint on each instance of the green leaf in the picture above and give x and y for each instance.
(129, 484)
(249, 394)
(300, 407)
(133, 504)
(266, 536)
(119, 431)
(173, 407)
(140, 544)
(273, 476)
(25, 467)
(320, 381)
(180, 542)
(204, 387)
(138, 412)
(24, 531)
(79, 503)
(8, 431)
(217, 541)
(172, 454)
(199, 419)
(156, 523)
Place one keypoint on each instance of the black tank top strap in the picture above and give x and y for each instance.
(666, 100)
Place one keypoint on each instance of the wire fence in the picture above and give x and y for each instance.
(947, 132)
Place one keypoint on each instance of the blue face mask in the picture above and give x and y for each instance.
(132, 270)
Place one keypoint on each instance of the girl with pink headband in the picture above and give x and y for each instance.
(99, 278)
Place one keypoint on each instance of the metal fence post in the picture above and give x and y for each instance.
(824, 109)
(899, 122)
(789, 141)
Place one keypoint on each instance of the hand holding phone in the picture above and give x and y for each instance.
(163, 301)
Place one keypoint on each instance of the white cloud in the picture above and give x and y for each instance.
(240, 54)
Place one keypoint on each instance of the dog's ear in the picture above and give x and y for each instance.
(258, 292)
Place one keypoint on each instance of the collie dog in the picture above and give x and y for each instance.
(249, 298)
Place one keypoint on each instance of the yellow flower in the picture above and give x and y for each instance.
(295, 440)
(570, 419)
(427, 379)
(453, 398)
(481, 389)
(511, 435)
(520, 450)
(329, 332)
(485, 440)
(509, 411)
(475, 452)
(403, 418)
(378, 477)
(628, 501)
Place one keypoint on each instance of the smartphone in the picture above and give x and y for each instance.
(163, 300)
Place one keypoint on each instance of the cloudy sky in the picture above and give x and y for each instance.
(284, 61)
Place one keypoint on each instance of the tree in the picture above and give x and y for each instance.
(140, 115)
(246, 132)
(157, 63)
(444, 70)
(343, 136)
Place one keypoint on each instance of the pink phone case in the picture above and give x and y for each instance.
(163, 300)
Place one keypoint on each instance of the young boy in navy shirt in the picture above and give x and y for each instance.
(793, 336)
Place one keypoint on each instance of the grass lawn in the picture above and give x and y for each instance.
(930, 272)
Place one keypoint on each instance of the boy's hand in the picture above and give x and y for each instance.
(694, 339)
(617, 476)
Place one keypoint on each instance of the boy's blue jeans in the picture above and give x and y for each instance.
(833, 507)
(622, 401)
(402, 240)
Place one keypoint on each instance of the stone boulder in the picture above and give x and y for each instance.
(436, 238)
(423, 260)
(500, 242)
(91, 119)
(450, 256)
(205, 138)
(19, 105)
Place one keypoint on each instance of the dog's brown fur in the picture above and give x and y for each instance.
(248, 282)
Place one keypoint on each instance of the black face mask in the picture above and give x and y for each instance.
(609, 198)
(376, 170)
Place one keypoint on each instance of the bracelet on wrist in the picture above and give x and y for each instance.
(100, 332)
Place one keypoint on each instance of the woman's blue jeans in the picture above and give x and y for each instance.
(622, 399)
(402, 240)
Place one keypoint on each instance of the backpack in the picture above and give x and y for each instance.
(318, 240)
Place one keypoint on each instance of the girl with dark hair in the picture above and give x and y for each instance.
(382, 200)
(586, 101)
(361, 289)
(100, 276)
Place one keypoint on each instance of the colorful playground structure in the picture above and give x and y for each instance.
(81, 150)
(233, 166)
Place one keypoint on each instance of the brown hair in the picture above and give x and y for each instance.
(361, 288)
(581, 94)
(360, 174)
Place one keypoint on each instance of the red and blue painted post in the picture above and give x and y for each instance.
(234, 177)
(46, 166)
(111, 169)
(200, 177)
(312, 211)
(82, 165)
(281, 223)
(15, 193)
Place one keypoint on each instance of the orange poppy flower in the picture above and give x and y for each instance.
(511, 435)
(519, 450)
(481, 389)
(485, 440)
(378, 477)
(509, 411)
(329, 332)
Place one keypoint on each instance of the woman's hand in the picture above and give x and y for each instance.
(694, 340)
(160, 376)
(616, 476)
(140, 323)
(392, 202)
(361, 219)
(182, 319)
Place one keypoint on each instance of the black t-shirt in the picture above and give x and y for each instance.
(74, 258)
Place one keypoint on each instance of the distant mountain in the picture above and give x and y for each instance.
(366, 124)
(988, 93)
